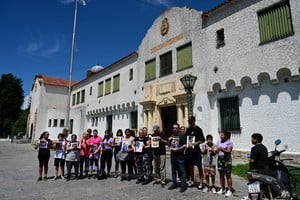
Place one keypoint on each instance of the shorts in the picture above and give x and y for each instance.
(193, 158)
(225, 164)
(59, 162)
(210, 170)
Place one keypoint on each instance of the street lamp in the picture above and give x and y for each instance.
(71, 62)
(188, 81)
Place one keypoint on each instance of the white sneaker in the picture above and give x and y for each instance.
(228, 193)
(213, 190)
(62, 177)
(221, 191)
(245, 198)
(205, 189)
(55, 177)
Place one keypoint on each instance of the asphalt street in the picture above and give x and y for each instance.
(18, 180)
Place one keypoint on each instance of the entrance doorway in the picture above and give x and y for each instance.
(168, 118)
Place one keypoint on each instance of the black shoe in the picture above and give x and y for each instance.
(123, 178)
(146, 182)
(172, 187)
(182, 189)
(138, 181)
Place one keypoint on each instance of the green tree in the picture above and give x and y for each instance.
(21, 124)
(11, 100)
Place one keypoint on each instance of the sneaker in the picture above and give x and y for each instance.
(62, 177)
(200, 187)
(205, 190)
(45, 178)
(213, 190)
(221, 191)
(182, 189)
(190, 184)
(172, 187)
(245, 198)
(162, 182)
(55, 177)
(146, 182)
(39, 179)
(228, 193)
(139, 181)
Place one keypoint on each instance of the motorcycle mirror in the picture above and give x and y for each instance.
(277, 142)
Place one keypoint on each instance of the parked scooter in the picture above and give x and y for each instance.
(274, 182)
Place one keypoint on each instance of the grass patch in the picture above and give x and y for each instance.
(241, 170)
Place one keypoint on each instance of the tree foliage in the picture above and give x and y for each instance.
(11, 100)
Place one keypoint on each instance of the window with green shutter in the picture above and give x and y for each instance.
(150, 72)
(82, 96)
(116, 83)
(107, 86)
(184, 57)
(166, 64)
(73, 99)
(100, 89)
(229, 114)
(77, 98)
(275, 22)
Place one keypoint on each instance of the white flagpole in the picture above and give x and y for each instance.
(71, 68)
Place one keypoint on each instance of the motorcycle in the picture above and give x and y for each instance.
(275, 182)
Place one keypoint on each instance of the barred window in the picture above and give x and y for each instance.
(166, 64)
(229, 114)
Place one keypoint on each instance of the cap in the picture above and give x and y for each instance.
(155, 128)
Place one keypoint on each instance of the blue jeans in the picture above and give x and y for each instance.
(178, 165)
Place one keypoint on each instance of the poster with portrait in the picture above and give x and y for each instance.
(190, 140)
(154, 142)
(139, 146)
(175, 142)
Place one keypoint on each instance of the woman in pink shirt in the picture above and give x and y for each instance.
(95, 149)
(84, 154)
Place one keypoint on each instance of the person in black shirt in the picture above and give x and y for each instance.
(259, 153)
(193, 152)
(177, 145)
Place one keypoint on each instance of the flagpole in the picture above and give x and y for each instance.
(71, 68)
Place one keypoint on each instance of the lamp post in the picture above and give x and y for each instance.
(188, 81)
(71, 62)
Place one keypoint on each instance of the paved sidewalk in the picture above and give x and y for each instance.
(18, 175)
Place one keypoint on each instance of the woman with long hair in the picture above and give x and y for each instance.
(43, 145)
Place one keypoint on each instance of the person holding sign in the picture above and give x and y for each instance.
(43, 145)
(159, 141)
(73, 156)
(142, 146)
(177, 145)
(193, 153)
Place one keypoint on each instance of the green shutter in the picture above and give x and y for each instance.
(229, 114)
(116, 83)
(184, 57)
(107, 86)
(100, 89)
(150, 72)
(275, 22)
(166, 64)
(73, 99)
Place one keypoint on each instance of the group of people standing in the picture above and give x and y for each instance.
(142, 156)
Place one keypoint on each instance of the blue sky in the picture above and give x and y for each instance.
(36, 35)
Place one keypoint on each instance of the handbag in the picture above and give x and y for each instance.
(123, 156)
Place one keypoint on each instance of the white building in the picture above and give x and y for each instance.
(49, 97)
(245, 55)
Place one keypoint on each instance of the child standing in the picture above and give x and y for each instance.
(209, 164)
